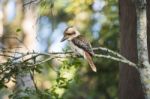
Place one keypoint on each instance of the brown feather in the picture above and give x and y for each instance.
(90, 61)
(84, 44)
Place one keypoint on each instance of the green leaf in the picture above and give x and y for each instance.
(18, 30)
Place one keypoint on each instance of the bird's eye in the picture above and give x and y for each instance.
(69, 34)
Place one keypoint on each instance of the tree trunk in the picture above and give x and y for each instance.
(23, 78)
(148, 26)
(142, 48)
(1, 19)
(141, 7)
(130, 86)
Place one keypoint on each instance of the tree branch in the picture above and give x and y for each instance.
(32, 1)
(26, 57)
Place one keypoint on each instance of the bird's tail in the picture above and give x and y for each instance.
(88, 57)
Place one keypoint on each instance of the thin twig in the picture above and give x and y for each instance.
(109, 51)
(32, 1)
(117, 59)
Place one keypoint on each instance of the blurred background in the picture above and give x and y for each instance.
(39, 26)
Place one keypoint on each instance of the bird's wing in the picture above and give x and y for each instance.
(81, 42)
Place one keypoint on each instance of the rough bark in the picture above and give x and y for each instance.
(140, 21)
(23, 78)
(129, 82)
(142, 48)
(142, 32)
(1, 19)
(24, 82)
(148, 26)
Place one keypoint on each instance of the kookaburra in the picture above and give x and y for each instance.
(79, 45)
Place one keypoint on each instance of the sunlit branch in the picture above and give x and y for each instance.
(117, 59)
(31, 60)
(32, 1)
(109, 51)
(53, 55)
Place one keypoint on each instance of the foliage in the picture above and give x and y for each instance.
(66, 75)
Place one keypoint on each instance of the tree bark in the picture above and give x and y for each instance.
(148, 27)
(1, 19)
(142, 48)
(23, 78)
(130, 86)
(140, 21)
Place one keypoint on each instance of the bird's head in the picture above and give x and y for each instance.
(70, 33)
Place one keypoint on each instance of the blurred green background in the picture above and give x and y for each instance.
(66, 78)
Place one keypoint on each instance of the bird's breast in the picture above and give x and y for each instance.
(76, 49)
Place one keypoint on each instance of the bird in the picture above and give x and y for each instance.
(79, 45)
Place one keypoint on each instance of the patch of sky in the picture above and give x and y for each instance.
(98, 17)
(114, 8)
(56, 45)
(99, 20)
(95, 30)
(98, 5)
(44, 32)
(11, 10)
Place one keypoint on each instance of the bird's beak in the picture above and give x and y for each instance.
(63, 39)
